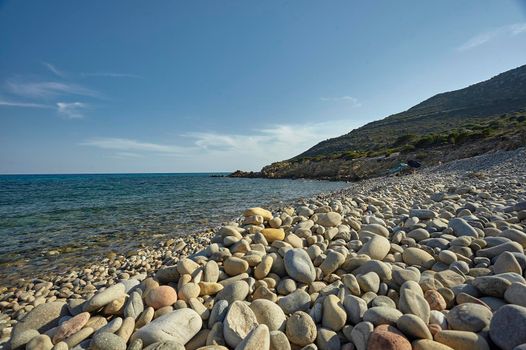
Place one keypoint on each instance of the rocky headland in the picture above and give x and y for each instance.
(429, 261)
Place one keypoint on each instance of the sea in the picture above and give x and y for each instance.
(49, 222)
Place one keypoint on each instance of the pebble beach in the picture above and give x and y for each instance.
(429, 261)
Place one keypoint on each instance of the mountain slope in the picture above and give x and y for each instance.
(479, 118)
(501, 94)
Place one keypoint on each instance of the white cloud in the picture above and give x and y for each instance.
(122, 144)
(480, 39)
(53, 69)
(203, 151)
(349, 99)
(71, 110)
(22, 104)
(47, 89)
(110, 75)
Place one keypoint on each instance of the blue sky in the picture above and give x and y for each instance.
(179, 86)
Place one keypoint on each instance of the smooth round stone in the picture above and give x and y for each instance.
(462, 340)
(160, 297)
(461, 228)
(377, 248)
(40, 342)
(447, 257)
(360, 334)
(209, 288)
(107, 341)
(435, 300)
(330, 219)
(382, 300)
(401, 276)
(299, 266)
(413, 326)
(70, 327)
(301, 329)
(179, 326)
(377, 229)
(388, 338)
(273, 234)
(516, 294)
(187, 291)
(505, 324)
(235, 291)
(105, 297)
(112, 326)
(506, 262)
(332, 262)
(238, 323)
(269, 313)
(491, 285)
(264, 213)
(412, 302)
(422, 214)
(297, 301)
(134, 307)
(334, 316)
(187, 266)
(469, 317)
(369, 282)
(418, 234)
(263, 268)
(382, 315)
(218, 312)
(211, 272)
(416, 256)
(355, 308)
(279, 341)
(235, 266)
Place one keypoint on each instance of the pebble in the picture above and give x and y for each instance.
(299, 266)
(179, 326)
(105, 297)
(301, 329)
(469, 317)
(504, 325)
(334, 316)
(107, 341)
(388, 338)
(269, 314)
(360, 334)
(413, 326)
(297, 301)
(157, 298)
(462, 340)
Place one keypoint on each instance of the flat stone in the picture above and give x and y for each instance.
(39, 320)
(273, 234)
(297, 301)
(70, 327)
(469, 317)
(412, 302)
(330, 219)
(105, 297)
(416, 256)
(516, 294)
(355, 308)
(491, 285)
(179, 326)
(235, 291)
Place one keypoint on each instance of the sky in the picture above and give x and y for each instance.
(196, 86)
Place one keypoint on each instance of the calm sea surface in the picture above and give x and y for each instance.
(85, 216)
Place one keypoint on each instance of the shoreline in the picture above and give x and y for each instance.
(81, 283)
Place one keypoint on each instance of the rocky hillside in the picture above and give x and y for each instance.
(457, 124)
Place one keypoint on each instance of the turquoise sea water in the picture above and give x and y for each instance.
(85, 216)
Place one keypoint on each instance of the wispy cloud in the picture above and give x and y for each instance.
(123, 144)
(53, 69)
(482, 38)
(22, 104)
(71, 110)
(110, 75)
(249, 150)
(48, 89)
(348, 99)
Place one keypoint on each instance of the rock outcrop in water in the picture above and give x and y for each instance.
(429, 261)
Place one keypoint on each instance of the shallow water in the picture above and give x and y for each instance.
(94, 214)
